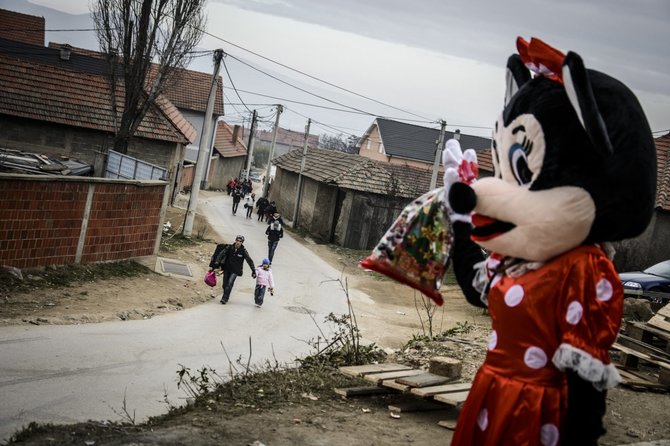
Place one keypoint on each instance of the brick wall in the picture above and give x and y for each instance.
(66, 220)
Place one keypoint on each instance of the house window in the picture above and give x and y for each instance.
(381, 148)
(367, 146)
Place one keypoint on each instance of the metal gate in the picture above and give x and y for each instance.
(129, 168)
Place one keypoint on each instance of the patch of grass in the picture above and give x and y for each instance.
(176, 242)
(66, 275)
(460, 328)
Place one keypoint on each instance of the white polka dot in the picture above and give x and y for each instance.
(483, 419)
(574, 313)
(549, 435)
(496, 279)
(514, 296)
(493, 340)
(535, 358)
(604, 290)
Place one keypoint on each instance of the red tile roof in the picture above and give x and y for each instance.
(663, 172)
(189, 89)
(485, 160)
(21, 27)
(223, 141)
(54, 94)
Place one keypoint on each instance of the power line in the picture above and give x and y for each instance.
(321, 123)
(316, 78)
(232, 105)
(324, 106)
(300, 88)
(232, 83)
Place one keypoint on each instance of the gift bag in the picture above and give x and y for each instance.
(415, 250)
(210, 278)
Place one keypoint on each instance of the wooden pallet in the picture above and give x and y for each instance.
(435, 391)
(643, 352)
(362, 370)
(427, 386)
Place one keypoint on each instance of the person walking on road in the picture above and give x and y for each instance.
(270, 209)
(264, 280)
(231, 260)
(237, 196)
(249, 202)
(274, 231)
(261, 204)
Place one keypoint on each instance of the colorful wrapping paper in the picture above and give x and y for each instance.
(416, 248)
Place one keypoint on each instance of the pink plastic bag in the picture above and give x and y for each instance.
(210, 278)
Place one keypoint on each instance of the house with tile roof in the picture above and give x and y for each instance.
(189, 92)
(405, 144)
(187, 95)
(229, 155)
(57, 103)
(345, 198)
(653, 245)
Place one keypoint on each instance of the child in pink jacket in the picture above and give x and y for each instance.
(264, 280)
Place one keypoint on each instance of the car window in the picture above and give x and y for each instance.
(660, 269)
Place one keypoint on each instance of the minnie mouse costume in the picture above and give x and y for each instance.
(575, 168)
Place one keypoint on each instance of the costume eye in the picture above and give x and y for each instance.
(519, 162)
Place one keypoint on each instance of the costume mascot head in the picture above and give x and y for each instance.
(575, 169)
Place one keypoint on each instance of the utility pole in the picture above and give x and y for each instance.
(203, 149)
(438, 154)
(250, 144)
(298, 188)
(266, 185)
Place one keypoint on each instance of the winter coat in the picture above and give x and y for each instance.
(264, 277)
(249, 202)
(274, 231)
(231, 259)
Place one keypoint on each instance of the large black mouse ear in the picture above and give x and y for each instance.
(580, 93)
(515, 76)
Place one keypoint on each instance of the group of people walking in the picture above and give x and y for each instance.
(230, 258)
(265, 209)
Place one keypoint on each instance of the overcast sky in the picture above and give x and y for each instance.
(428, 59)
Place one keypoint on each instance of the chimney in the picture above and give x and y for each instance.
(236, 131)
(65, 52)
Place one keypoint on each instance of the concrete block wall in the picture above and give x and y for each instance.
(66, 220)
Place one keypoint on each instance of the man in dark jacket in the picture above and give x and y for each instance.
(231, 260)
(237, 196)
(270, 210)
(261, 204)
(275, 231)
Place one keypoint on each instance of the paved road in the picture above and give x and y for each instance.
(65, 374)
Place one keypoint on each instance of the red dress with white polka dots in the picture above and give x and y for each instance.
(564, 315)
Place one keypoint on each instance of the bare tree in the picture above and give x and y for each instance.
(338, 143)
(155, 39)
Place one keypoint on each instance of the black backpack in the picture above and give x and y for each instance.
(219, 257)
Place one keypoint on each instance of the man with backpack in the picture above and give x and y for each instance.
(230, 258)
(275, 231)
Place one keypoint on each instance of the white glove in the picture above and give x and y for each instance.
(465, 163)
(459, 167)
